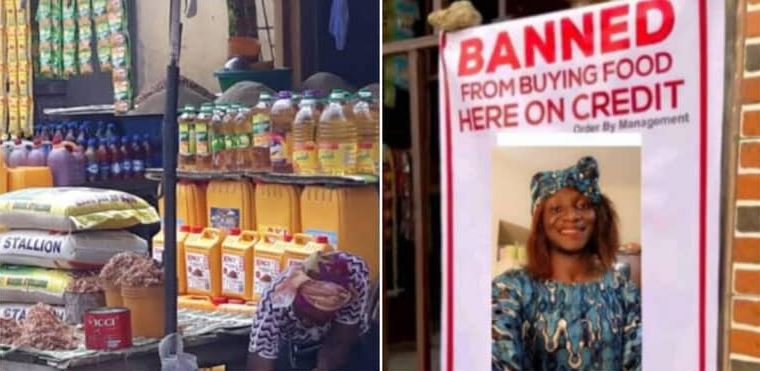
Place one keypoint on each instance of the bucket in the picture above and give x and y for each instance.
(113, 295)
(146, 305)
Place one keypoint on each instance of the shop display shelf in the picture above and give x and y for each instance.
(337, 181)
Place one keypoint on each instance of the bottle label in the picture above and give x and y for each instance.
(201, 139)
(105, 170)
(217, 143)
(265, 271)
(198, 271)
(331, 157)
(231, 141)
(244, 141)
(367, 158)
(138, 166)
(184, 139)
(277, 148)
(233, 273)
(260, 128)
(116, 168)
(305, 158)
(92, 169)
(126, 166)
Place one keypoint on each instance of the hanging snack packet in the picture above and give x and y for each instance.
(84, 23)
(103, 34)
(70, 39)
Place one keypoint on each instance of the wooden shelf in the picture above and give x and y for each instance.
(403, 46)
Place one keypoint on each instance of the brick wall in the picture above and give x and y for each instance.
(744, 332)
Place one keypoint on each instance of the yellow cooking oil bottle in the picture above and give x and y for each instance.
(277, 209)
(336, 138)
(230, 204)
(305, 159)
(367, 116)
(158, 251)
(333, 212)
(203, 263)
(304, 245)
(267, 262)
(237, 264)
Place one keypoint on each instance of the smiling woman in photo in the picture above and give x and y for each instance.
(568, 308)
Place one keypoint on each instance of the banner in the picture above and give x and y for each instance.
(649, 69)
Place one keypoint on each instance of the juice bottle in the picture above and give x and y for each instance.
(217, 134)
(114, 146)
(280, 142)
(59, 133)
(80, 161)
(91, 160)
(304, 132)
(366, 114)
(70, 134)
(230, 136)
(185, 121)
(147, 152)
(336, 138)
(244, 155)
(139, 156)
(126, 157)
(202, 148)
(237, 264)
(260, 124)
(104, 160)
(267, 263)
(203, 259)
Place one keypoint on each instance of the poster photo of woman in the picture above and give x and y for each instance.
(566, 289)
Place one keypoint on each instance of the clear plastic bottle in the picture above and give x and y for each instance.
(336, 138)
(261, 121)
(140, 155)
(126, 157)
(280, 143)
(305, 159)
(230, 136)
(114, 146)
(217, 134)
(203, 160)
(186, 158)
(367, 118)
(91, 160)
(244, 158)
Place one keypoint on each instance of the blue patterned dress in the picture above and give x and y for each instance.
(546, 325)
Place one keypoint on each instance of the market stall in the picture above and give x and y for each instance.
(242, 180)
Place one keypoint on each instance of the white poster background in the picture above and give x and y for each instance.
(671, 184)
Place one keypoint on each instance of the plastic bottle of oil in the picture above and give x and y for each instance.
(203, 157)
(280, 142)
(244, 157)
(336, 138)
(366, 114)
(305, 159)
(230, 136)
(218, 137)
(261, 122)
(186, 159)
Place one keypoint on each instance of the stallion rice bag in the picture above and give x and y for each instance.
(73, 209)
(63, 250)
(24, 284)
(17, 311)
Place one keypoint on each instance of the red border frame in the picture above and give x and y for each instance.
(703, 135)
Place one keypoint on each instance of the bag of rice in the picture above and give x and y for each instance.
(22, 284)
(73, 209)
(63, 250)
(17, 311)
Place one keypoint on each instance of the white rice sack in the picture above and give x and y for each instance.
(73, 209)
(62, 250)
(17, 311)
(23, 284)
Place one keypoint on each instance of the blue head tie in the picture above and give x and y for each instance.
(583, 177)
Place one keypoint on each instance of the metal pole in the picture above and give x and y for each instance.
(170, 171)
